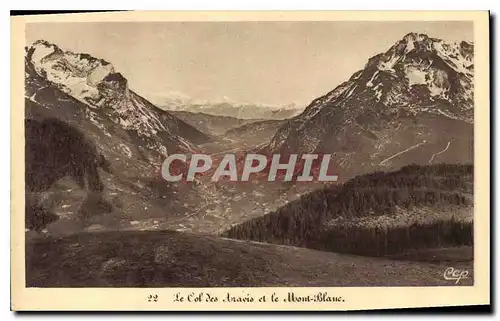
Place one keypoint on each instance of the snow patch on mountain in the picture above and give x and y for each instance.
(389, 64)
(457, 55)
(370, 82)
(77, 74)
(416, 76)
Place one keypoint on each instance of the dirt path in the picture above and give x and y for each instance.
(402, 152)
(439, 153)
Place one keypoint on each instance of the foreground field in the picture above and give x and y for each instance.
(173, 259)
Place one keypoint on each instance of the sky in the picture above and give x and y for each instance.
(259, 62)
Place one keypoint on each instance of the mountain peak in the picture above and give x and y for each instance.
(45, 48)
(41, 49)
(45, 43)
(104, 94)
(77, 73)
(414, 36)
(415, 42)
(417, 75)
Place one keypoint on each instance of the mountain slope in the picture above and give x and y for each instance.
(414, 100)
(170, 259)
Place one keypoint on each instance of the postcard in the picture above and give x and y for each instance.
(256, 161)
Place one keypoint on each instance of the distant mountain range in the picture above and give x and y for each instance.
(175, 101)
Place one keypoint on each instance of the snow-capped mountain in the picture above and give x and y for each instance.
(105, 97)
(420, 91)
(177, 101)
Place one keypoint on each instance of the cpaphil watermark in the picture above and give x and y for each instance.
(456, 275)
(243, 168)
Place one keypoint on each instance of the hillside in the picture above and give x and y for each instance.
(172, 259)
(375, 214)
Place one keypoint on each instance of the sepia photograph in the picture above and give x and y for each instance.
(239, 153)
